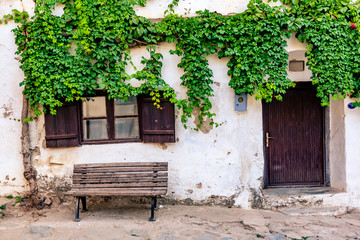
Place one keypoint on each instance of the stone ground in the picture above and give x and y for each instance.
(174, 222)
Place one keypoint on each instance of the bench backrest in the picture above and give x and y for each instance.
(136, 176)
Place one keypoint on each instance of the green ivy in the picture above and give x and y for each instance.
(195, 39)
(330, 28)
(256, 47)
(152, 81)
(68, 57)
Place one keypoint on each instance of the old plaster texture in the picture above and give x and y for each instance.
(11, 179)
(225, 162)
(352, 131)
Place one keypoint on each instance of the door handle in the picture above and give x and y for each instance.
(267, 139)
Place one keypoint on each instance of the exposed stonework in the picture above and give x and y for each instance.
(54, 185)
(205, 127)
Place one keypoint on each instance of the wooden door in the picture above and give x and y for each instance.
(293, 139)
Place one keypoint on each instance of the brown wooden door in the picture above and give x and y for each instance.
(294, 153)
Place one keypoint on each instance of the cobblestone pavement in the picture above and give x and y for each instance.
(174, 222)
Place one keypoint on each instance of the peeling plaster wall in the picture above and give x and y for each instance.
(11, 178)
(225, 162)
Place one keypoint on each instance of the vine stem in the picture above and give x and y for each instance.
(29, 172)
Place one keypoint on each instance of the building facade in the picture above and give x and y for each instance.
(230, 164)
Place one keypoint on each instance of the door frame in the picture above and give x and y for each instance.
(325, 148)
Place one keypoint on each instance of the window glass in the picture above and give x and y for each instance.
(126, 128)
(95, 129)
(95, 107)
(110, 120)
(123, 108)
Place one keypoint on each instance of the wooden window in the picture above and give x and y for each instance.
(158, 124)
(102, 120)
(95, 119)
(126, 118)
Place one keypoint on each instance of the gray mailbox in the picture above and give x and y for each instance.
(241, 102)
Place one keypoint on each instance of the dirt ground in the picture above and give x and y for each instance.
(107, 219)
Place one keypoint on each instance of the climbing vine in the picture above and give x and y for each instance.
(256, 47)
(330, 28)
(195, 39)
(68, 57)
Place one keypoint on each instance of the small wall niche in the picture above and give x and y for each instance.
(296, 65)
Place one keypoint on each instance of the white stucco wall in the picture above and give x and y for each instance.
(155, 8)
(337, 145)
(228, 161)
(11, 178)
(352, 143)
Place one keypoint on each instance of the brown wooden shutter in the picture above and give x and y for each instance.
(158, 125)
(63, 129)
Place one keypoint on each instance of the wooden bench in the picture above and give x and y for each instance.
(119, 179)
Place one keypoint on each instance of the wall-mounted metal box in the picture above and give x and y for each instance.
(241, 102)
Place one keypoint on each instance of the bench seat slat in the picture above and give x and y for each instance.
(143, 183)
(119, 169)
(121, 185)
(104, 181)
(117, 192)
(140, 189)
(122, 164)
(119, 189)
(119, 180)
(111, 194)
(118, 175)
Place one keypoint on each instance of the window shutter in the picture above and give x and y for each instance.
(158, 125)
(63, 129)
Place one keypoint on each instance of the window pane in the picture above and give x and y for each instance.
(126, 128)
(95, 129)
(95, 107)
(126, 108)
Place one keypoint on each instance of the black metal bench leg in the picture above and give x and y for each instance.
(153, 205)
(77, 207)
(83, 201)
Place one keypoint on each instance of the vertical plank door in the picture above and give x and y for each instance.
(293, 138)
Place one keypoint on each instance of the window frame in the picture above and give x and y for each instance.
(156, 125)
(110, 120)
